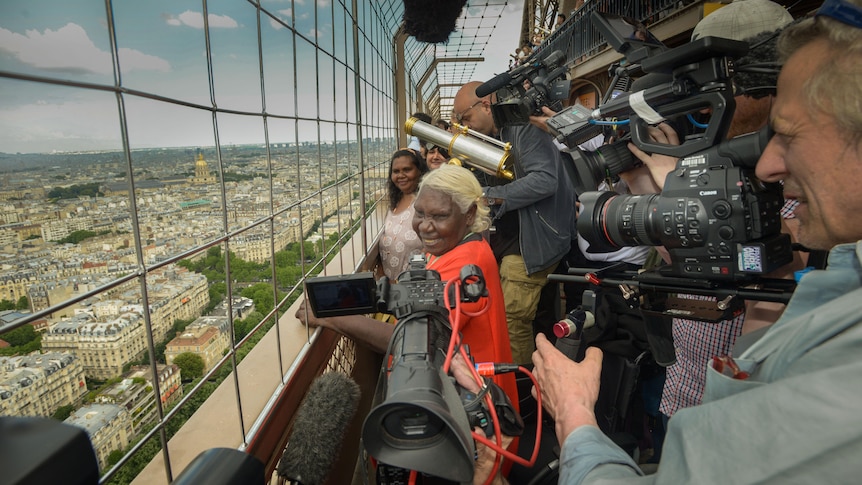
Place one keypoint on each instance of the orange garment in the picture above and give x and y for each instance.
(486, 335)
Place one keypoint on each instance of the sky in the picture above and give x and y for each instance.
(162, 50)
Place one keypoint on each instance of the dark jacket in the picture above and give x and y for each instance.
(542, 194)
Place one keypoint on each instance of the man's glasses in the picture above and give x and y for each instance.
(459, 117)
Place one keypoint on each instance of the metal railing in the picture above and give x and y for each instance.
(292, 107)
(579, 39)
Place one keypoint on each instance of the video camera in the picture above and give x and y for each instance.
(572, 126)
(424, 418)
(717, 220)
(523, 91)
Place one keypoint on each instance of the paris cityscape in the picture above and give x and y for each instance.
(67, 229)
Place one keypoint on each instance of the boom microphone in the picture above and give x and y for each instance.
(318, 429)
(494, 84)
(431, 21)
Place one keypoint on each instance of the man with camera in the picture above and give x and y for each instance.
(695, 341)
(533, 215)
(786, 408)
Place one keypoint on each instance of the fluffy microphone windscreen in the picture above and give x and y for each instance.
(431, 21)
(319, 428)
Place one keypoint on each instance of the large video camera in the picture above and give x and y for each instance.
(523, 91)
(424, 418)
(718, 221)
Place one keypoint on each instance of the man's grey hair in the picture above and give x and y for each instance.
(460, 184)
(836, 87)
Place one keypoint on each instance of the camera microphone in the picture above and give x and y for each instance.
(502, 80)
(318, 429)
(495, 83)
(431, 21)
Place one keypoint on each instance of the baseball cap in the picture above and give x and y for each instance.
(742, 19)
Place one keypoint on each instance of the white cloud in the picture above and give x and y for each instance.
(133, 60)
(27, 128)
(284, 15)
(275, 24)
(69, 49)
(196, 20)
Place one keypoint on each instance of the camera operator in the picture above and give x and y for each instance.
(695, 341)
(533, 217)
(786, 408)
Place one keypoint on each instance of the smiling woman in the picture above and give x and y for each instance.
(450, 218)
(398, 241)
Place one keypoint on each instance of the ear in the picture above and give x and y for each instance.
(470, 216)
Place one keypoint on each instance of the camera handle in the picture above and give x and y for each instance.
(720, 102)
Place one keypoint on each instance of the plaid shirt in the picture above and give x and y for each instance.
(696, 343)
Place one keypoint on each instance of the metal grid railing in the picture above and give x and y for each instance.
(290, 107)
(578, 38)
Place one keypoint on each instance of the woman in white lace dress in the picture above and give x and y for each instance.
(398, 241)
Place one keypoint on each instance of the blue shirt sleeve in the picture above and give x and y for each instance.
(587, 451)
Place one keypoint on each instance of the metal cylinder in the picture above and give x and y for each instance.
(466, 146)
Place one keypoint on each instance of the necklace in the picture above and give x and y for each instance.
(407, 199)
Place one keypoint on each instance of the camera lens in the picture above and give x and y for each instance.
(606, 161)
(609, 221)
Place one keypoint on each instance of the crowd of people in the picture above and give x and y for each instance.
(776, 406)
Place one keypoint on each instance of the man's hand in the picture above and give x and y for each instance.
(659, 165)
(569, 389)
(306, 317)
(541, 122)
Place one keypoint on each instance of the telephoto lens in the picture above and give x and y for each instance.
(609, 221)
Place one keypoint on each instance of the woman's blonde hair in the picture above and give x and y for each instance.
(460, 184)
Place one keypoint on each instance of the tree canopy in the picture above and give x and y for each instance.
(191, 365)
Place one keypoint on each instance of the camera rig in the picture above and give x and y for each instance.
(523, 91)
(715, 217)
(719, 222)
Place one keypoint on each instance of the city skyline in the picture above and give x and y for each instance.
(164, 54)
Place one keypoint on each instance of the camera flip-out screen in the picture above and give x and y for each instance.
(332, 296)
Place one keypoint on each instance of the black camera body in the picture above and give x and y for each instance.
(717, 220)
(418, 290)
(525, 89)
